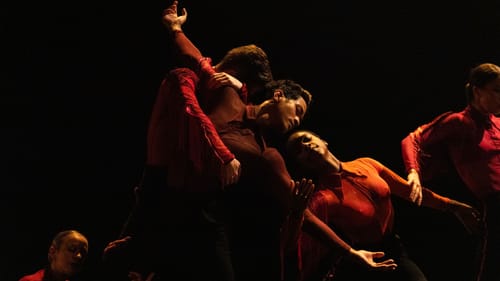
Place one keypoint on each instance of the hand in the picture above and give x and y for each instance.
(171, 20)
(468, 216)
(231, 172)
(367, 259)
(220, 79)
(301, 196)
(116, 245)
(416, 187)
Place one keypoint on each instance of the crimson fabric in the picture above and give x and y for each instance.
(466, 140)
(359, 207)
(178, 128)
(37, 276)
(256, 205)
(192, 58)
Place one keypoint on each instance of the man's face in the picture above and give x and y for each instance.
(69, 257)
(282, 114)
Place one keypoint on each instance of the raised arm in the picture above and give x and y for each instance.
(466, 214)
(189, 55)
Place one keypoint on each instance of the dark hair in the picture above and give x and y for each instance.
(250, 65)
(291, 90)
(479, 76)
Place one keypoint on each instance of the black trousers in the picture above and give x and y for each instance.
(178, 235)
(490, 254)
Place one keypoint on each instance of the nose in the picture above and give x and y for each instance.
(296, 121)
(79, 255)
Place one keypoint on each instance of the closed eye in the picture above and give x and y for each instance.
(299, 111)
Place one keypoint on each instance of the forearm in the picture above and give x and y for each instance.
(409, 150)
(434, 200)
(187, 53)
(321, 231)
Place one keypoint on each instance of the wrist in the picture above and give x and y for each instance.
(175, 29)
(348, 253)
(450, 206)
(412, 170)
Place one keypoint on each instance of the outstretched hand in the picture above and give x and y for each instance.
(116, 245)
(301, 195)
(367, 259)
(171, 19)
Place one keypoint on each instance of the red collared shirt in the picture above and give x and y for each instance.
(467, 141)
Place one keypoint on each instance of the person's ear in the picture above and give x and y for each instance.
(278, 94)
(52, 252)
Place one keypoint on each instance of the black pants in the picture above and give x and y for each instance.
(177, 235)
(490, 255)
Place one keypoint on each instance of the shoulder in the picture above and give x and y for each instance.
(368, 161)
(450, 117)
(446, 123)
(360, 164)
(272, 154)
(180, 75)
(37, 276)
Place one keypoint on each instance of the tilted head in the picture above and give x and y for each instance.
(483, 88)
(250, 65)
(307, 153)
(67, 253)
(286, 107)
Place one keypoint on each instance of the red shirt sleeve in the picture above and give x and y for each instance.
(178, 126)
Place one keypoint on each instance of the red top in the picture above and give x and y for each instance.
(467, 141)
(179, 127)
(357, 204)
(37, 276)
(180, 135)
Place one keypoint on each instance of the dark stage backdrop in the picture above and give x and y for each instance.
(79, 80)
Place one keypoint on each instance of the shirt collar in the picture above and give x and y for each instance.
(331, 181)
(478, 116)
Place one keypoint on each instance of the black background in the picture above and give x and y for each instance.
(79, 79)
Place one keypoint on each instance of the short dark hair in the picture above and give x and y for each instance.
(250, 64)
(291, 90)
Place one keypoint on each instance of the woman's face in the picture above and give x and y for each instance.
(67, 260)
(488, 97)
(308, 148)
